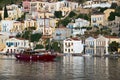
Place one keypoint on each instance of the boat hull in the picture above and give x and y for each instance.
(46, 57)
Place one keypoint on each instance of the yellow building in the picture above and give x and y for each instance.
(13, 10)
(46, 26)
(30, 23)
(45, 14)
(17, 26)
(107, 13)
(116, 39)
(118, 50)
(37, 5)
(3, 39)
(97, 19)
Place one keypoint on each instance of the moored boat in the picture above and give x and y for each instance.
(35, 56)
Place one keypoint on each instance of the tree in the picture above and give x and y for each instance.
(18, 35)
(113, 46)
(84, 16)
(56, 46)
(35, 37)
(114, 34)
(58, 14)
(5, 12)
(113, 6)
(112, 16)
(103, 9)
(72, 14)
(39, 46)
(65, 21)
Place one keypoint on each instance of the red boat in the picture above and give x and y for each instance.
(35, 56)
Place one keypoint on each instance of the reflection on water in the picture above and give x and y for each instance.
(69, 68)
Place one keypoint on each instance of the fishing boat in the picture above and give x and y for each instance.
(35, 56)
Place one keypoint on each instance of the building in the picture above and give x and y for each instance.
(64, 6)
(118, 50)
(46, 26)
(114, 25)
(14, 12)
(90, 45)
(11, 26)
(13, 45)
(96, 4)
(6, 25)
(61, 33)
(72, 45)
(30, 23)
(97, 46)
(3, 39)
(26, 5)
(97, 19)
(102, 44)
(77, 27)
(113, 38)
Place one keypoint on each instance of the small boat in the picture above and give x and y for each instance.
(35, 56)
(87, 55)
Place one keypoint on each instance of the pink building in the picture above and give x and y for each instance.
(26, 5)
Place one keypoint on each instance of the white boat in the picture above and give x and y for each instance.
(87, 55)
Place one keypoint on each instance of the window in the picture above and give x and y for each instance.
(71, 49)
(65, 49)
(71, 43)
(65, 44)
(68, 50)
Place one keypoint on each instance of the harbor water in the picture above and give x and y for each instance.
(67, 68)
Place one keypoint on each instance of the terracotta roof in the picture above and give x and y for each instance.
(11, 36)
(111, 37)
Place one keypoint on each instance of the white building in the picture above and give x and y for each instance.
(72, 45)
(10, 26)
(14, 12)
(96, 4)
(81, 23)
(64, 6)
(97, 46)
(13, 45)
(77, 27)
(6, 25)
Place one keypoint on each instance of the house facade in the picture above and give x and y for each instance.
(14, 12)
(3, 39)
(13, 45)
(102, 44)
(26, 5)
(96, 3)
(114, 25)
(72, 46)
(97, 46)
(61, 33)
(90, 45)
(6, 25)
(64, 6)
(77, 27)
(46, 26)
(11, 26)
(97, 19)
